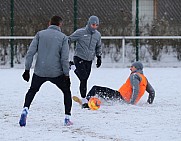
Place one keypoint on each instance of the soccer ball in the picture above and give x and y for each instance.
(94, 103)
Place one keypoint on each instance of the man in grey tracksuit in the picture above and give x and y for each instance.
(88, 45)
(52, 64)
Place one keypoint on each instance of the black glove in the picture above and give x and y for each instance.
(67, 80)
(26, 75)
(150, 99)
(98, 61)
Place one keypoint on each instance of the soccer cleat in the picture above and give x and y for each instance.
(67, 122)
(85, 105)
(76, 99)
(22, 121)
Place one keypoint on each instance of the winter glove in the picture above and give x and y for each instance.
(150, 99)
(67, 80)
(26, 75)
(98, 61)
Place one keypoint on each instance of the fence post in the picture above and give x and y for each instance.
(75, 18)
(123, 46)
(75, 15)
(137, 30)
(12, 33)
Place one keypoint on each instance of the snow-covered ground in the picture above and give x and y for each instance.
(112, 122)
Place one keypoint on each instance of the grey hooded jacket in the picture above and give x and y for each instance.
(88, 42)
(52, 49)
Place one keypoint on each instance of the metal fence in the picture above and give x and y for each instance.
(117, 18)
(154, 51)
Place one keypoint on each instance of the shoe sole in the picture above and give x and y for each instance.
(76, 99)
(68, 124)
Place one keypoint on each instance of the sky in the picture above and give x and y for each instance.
(114, 121)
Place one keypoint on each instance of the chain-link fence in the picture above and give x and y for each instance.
(117, 18)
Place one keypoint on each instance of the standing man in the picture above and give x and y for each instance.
(88, 45)
(52, 49)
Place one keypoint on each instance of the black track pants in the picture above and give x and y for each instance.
(60, 82)
(83, 70)
(104, 92)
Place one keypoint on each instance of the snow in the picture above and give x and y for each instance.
(112, 122)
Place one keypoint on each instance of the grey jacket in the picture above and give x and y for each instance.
(135, 80)
(52, 49)
(88, 44)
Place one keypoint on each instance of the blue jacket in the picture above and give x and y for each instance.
(52, 49)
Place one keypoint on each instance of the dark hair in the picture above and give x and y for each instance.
(56, 20)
